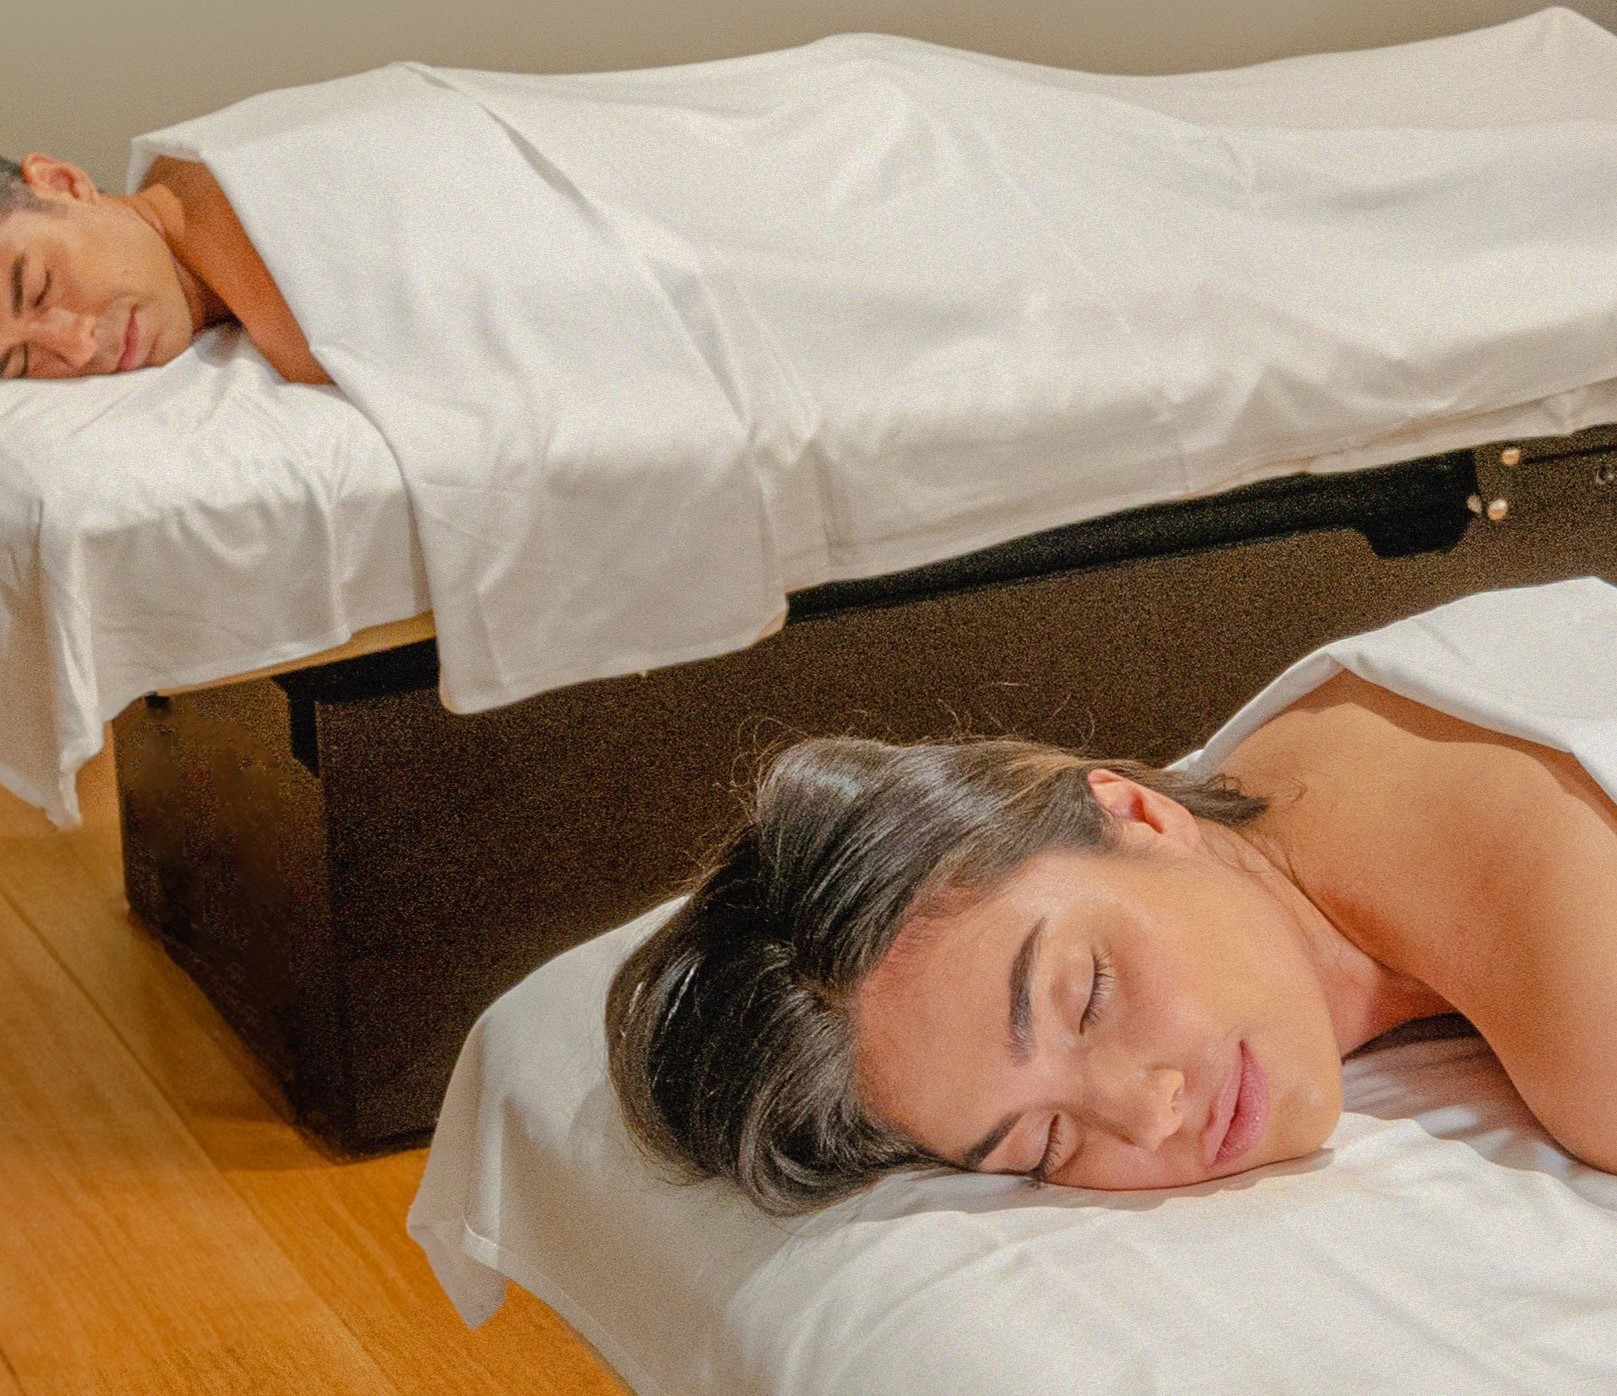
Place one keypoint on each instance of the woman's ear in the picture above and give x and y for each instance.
(1140, 811)
(46, 175)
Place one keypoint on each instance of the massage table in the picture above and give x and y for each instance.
(353, 870)
(1439, 1240)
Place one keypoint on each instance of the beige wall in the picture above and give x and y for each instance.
(80, 77)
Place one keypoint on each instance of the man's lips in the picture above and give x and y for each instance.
(1241, 1112)
(131, 345)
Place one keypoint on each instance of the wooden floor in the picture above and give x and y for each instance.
(164, 1231)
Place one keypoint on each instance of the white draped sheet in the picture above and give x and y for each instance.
(655, 348)
(177, 526)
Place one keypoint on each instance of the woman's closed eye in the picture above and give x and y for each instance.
(1041, 1172)
(1101, 984)
(1099, 991)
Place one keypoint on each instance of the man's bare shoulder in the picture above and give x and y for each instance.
(182, 176)
(208, 238)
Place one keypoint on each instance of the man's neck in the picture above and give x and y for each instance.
(156, 206)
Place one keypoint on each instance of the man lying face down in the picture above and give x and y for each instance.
(94, 283)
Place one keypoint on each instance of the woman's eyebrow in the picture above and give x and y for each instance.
(989, 1142)
(1020, 1038)
(1021, 985)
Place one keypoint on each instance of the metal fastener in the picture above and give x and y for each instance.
(1605, 473)
(1511, 455)
(1474, 504)
(1497, 509)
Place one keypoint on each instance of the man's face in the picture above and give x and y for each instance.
(87, 284)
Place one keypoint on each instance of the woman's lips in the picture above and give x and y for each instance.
(1242, 1113)
(131, 345)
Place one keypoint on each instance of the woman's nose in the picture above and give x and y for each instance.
(1148, 1110)
(68, 334)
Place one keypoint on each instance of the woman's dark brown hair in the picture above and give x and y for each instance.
(730, 1034)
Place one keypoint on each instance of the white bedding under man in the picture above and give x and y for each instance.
(654, 349)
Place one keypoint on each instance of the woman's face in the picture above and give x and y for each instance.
(1142, 1018)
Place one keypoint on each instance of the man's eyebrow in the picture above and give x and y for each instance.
(1021, 985)
(16, 286)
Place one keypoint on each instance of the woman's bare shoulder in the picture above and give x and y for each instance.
(1370, 810)
(1358, 733)
(1348, 751)
(1347, 699)
(1482, 864)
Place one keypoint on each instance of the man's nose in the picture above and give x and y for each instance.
(1148, 1110)
(68, 334)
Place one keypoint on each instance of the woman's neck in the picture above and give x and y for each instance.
(1366, 997)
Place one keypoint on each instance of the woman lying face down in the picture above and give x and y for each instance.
(1001, 957)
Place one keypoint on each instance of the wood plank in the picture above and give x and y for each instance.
(69, 888)
(344, 1227)
(127, 1261)
(341, 1223)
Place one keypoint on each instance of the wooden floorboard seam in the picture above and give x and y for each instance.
(173, 1101)
(310, 1317)
(178, 1108)
(339, 1224)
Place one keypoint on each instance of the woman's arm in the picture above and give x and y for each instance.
(1545, 993)
(1555, 1033)
(209, 240)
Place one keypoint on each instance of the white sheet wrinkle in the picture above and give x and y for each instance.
(719, 331)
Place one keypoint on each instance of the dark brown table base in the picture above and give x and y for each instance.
(352, 873)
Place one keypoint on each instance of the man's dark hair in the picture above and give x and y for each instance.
(14, 190)
(730, 1030)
